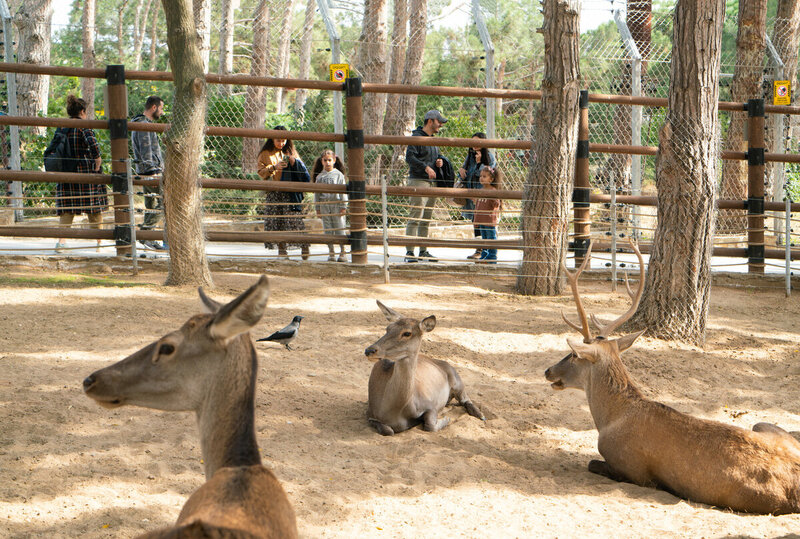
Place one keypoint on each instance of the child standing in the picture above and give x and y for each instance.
(487, 211)
(331, 207)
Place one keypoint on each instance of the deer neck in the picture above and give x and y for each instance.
(401, 384)
(610, 392)
(226, 416)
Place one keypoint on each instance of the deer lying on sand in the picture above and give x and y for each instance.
(650, 444)
(209, 366)
(406, 388)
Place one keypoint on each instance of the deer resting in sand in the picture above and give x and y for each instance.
(209, 366)
(650, 444)
(406, 388)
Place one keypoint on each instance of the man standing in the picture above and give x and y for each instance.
(148, 161)
(421, 160)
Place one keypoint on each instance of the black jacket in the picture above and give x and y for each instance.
(419, 157)
(445, 176)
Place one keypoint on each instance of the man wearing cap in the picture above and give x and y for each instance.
(421, 162)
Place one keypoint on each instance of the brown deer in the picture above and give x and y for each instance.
(406, 388)
(650, 444)
(209, 366)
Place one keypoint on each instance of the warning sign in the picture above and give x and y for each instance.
(782, 94)
(339, 72)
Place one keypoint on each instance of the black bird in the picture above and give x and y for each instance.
(286, 335)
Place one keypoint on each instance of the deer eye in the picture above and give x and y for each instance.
(166, 349)
(406, 334)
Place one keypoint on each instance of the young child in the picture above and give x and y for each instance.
(487, 211)
(331, 207)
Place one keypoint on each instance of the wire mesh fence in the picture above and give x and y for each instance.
(607, 66)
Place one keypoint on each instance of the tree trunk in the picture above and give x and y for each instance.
(283, 54)
(226, 44)
(33, 47)
(87, 83)
(412, 73)
(545, 220)
(372, 63)
(141, 30)
(202, 25)
(678, 283)
(256, 101)
(154, 38)
(398, 61)
(305, 60)
(183, 203)
(746, 84)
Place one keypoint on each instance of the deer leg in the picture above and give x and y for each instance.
(458, 390)
(431, 422)
(385, 430)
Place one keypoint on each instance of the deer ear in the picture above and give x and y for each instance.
(390, 314)
(210, 305)
(242, 313)
(626, 341)
(427, 324)
(583, 350)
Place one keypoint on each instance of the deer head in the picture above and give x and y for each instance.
(177, 371)
(572, 371)
(403, 336)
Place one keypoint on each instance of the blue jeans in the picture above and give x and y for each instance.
(488, 232)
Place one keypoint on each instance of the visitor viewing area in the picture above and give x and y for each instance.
(377, 206)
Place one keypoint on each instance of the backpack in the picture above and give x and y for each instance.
(58, 157)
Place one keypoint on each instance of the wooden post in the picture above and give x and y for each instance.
(581, 188)
(755, 186)
(117, 111)
(356, 183)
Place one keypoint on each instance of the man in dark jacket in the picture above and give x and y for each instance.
(148, 161)
(422, 161)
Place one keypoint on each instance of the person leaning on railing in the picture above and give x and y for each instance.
(278, 161)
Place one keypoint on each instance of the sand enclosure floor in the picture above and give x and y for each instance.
(69, 468)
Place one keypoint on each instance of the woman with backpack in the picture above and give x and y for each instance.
(76, 198)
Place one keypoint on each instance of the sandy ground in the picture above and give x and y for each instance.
(69, 468)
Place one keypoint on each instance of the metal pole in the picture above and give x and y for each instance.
(778, 120)
(488, 48)
(788, 245)
(636, 112)
(132, 211)
(333, 35)
(385, 220)
(14, 161)
(613, 215)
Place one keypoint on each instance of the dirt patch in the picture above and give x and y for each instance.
(69, 468)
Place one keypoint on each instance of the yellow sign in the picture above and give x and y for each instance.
(782, 92)
(339, 72)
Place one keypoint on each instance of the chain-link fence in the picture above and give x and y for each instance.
(612, 62)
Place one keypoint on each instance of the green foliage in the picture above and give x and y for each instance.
(793, 181)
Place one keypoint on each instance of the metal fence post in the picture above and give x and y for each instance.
(755, 186)
(385, 221)
(582, 188)
(117, 107)
(356, 184)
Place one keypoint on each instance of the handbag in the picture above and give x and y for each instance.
(458, 201)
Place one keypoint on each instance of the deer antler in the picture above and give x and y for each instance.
(583, 329)
(605, 330)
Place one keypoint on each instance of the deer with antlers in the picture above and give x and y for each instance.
(406, 388)
(650, 444)
(209, 366)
